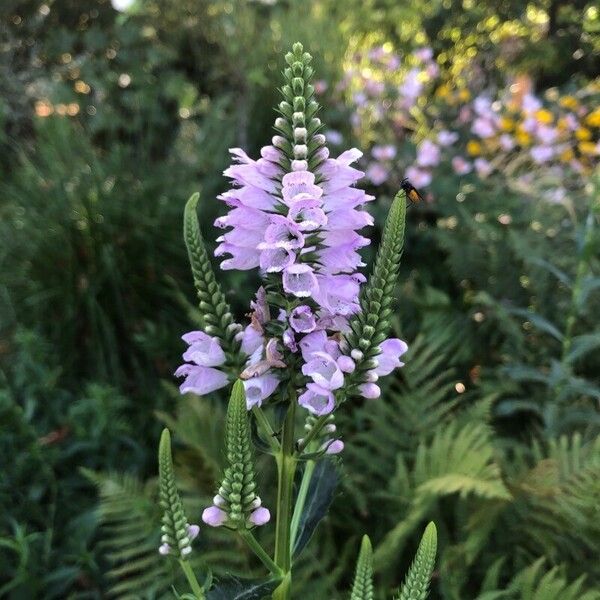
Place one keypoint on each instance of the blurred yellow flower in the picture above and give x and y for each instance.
(443, 91)
(588, 148)
(569, 102)
(464, 95)
(507, 124)
(567, 155)
(473, 148)
(523, 138)
(583, 134)
(593, 119)
(544, 116)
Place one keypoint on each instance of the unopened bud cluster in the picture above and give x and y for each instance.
(236, 504)
(177, 533)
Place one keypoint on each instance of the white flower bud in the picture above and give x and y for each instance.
(300, 151)
(372, 376)
(299, 165)
(299, 134)
(278, 141)
(356, 354)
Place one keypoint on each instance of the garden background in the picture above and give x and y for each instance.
(112, 115)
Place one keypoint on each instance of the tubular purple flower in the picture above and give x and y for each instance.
(259, 388)
(389, 358)
(281, 233)
(370, 391)
(302, 319)
(346, 364)
(317, 400)
(214, 516)
(324, 371)
(260, 516)
(334, 447)
(200, 380)
(204, 350)
(300, 280)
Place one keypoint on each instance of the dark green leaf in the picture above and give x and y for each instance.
(320, 495)
(233, 588)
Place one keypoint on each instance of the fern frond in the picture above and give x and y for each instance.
(362, 589)
(128, 513)
(416, 584)
(457, 460)
(532, 583)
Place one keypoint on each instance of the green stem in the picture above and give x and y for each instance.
(321, 421)
(189, 573)
(254, 544)
(286, 468)
(300, 501)
(266, 428)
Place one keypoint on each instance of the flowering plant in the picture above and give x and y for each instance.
(317, 339)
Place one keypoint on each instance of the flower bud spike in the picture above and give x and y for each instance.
(216, 313)
(369, 327)
(177, 533)
(237, 505)
(362, 588)
(416, 584)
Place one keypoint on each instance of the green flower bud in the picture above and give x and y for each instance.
(215, 311)
(237, 505)
(362, 589)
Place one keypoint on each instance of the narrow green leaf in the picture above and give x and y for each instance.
(582, 345)
(538, 322)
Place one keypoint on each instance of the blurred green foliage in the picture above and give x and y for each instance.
(109, 121)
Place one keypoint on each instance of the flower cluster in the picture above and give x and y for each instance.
(294, 214)
(467, 123)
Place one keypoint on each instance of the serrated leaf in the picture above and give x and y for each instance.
(320, 495)
(234, 588)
